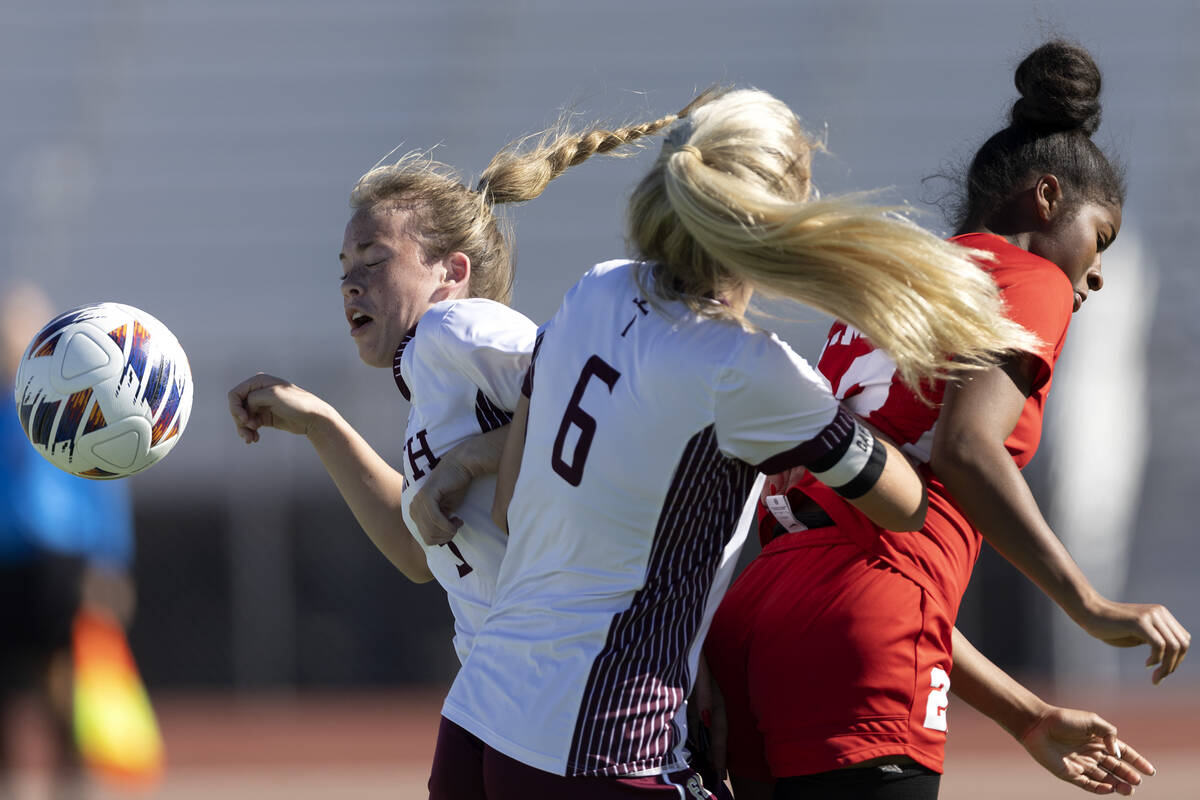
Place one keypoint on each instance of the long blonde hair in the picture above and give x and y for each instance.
(447, 216)
(725, 209)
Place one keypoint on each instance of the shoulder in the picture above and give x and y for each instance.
(613, 269)
(1036, 292)
(602, 283)
(612, 276)
(759, 356)
(1010, 266)
(473, 321)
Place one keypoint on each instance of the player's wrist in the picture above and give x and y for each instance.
(1087, 605)
(1027, 718)
(323, 422)
(479, 455)
(472, 463)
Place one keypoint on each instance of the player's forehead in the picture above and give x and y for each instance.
(375, 225)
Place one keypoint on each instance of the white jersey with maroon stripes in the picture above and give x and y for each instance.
(647, 433)
(461, 368)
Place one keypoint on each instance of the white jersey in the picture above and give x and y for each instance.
(461, 368)
(647, 432)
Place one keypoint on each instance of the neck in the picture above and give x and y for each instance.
(737, 301)
(1020, 239)
(1001, 225)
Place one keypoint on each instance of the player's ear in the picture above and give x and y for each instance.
(457, 279)
(1048, 197)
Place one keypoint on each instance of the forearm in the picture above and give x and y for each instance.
(372, 489)
(479, 455)
(987, 485)
(990, 690)
(510, 464)
(431, 509)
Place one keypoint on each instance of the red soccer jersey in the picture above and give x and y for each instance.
(1038, 295)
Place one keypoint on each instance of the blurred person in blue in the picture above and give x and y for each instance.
(65, 543)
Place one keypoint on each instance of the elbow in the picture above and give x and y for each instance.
(411, 561)
(914, 520)
(945, 456)
(417, 573)
(500, 517)
(958, 457)
(896, 508)
(909, 517)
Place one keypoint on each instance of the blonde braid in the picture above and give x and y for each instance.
(446, 215)
(515, 176)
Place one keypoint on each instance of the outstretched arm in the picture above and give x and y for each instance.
(1078, 747)
(368, 484)
(969, 457)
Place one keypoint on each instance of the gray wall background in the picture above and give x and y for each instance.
(194, 159)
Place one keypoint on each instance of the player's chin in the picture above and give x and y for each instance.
(372, 357)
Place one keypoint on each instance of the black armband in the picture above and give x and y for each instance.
(854, 466)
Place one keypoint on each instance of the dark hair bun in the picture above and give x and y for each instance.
(1060, 89)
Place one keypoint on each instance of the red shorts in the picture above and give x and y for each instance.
(464, 768)
(826, 658)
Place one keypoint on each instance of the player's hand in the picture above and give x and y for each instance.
(780, 482)
(433, 505)
(1083, 749)
(706, 708)
(432, 508)
(1132, 624)
(267, 401)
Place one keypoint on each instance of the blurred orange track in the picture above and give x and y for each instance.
(366, 745)
(393, 727)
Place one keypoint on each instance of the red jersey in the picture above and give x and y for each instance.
(1038, 295)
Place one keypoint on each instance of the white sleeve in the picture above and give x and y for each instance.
(489, 343)
(773, 410)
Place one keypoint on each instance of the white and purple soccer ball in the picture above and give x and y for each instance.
(104, 391)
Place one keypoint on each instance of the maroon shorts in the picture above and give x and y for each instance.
(826, 658)
(464, 768)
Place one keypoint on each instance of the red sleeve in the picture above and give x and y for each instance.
(1039, 297)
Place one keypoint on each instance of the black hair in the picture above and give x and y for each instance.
(1050, 129)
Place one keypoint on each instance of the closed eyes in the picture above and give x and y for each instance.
(342, 278)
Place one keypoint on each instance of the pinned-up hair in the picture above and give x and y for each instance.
(1049, 132)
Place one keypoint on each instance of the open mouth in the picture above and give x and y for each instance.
(358, 320)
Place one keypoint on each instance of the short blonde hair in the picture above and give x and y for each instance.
(444, 216)
(726, 207)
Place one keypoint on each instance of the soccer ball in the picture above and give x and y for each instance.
(104, 391)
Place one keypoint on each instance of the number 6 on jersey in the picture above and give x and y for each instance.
(572, 473)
